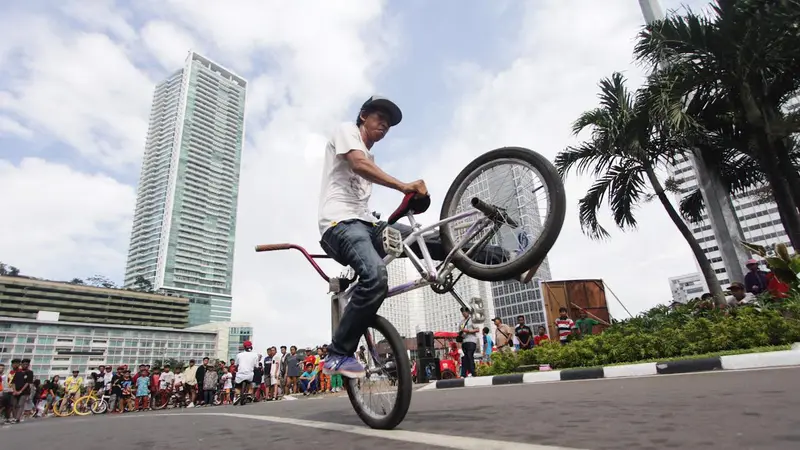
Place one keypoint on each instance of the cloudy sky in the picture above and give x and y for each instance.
(76, 82)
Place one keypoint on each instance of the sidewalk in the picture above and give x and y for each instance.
(784, 358)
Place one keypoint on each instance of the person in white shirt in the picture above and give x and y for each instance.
(167, 379)
(246, 363)
(739, 296)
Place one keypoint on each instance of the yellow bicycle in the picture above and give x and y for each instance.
(92, 403)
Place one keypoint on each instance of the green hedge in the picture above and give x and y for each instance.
(663, 333)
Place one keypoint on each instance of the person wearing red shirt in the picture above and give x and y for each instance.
(540, 336)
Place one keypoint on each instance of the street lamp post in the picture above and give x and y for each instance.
(719, 208)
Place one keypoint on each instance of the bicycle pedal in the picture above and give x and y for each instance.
(392, 242)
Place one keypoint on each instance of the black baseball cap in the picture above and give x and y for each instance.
(376, 101)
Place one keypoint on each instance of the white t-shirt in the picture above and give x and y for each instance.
(166, 380)
(178, 379)
(226, 381)
(343, 193)
(246, 363)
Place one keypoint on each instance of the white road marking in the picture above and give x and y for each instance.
(417, 437)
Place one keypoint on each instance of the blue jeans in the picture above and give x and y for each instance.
(357, 244)
(305, 386)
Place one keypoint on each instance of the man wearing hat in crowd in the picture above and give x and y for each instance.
(755, 281)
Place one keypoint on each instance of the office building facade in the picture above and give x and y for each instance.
(510, 299)
(184, 224)
(758, 218)
(24, 298)
(58, 348)
(687, 287)
(230, 337)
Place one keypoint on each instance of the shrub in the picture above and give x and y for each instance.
(665, 333)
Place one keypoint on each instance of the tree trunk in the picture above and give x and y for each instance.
(760, 121)
(702, 260)
(781, 192)
(789, 169)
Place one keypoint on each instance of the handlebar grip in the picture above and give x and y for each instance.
(272, 247)
(484, 207)
(492, 212)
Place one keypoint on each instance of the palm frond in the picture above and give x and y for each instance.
(627, 188)
(692, 206)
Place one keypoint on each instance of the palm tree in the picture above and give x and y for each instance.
(746, 55)
(625, 149)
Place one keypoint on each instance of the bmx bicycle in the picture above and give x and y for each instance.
(476, 235)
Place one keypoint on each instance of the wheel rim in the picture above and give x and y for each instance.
(513, 185)
(377, 393)
(83, 406)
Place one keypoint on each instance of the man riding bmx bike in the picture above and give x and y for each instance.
(351, 234)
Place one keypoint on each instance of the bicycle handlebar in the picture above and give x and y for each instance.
(272, 247)
(491, 211)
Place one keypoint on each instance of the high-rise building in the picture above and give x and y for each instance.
(185, 219)
(510, 299)
(443, 312)
(398, 309)
(758, 217)
(687, 287)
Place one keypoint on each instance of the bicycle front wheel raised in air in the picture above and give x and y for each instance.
(526, 197)
(382, 399)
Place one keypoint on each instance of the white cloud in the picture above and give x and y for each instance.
(168, 43)
(79, 87)
(61, 223)
(12, 127)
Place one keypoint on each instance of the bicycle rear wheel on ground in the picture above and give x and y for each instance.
(83, 405)
(529, 193)
(389, 372)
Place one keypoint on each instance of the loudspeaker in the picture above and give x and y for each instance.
(425, 346)
(428, 370)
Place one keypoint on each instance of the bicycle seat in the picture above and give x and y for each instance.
(410, 204)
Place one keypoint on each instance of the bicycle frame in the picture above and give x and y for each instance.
(429, 274)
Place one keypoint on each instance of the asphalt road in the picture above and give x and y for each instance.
(724, 410)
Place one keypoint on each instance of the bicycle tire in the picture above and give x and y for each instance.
(99, 406)
(404, 387)
(68, 409)
(551, 228)
(78, 407)
(161, 400)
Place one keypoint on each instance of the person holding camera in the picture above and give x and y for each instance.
(468, 336)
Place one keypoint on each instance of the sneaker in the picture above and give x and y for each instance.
(346, 366)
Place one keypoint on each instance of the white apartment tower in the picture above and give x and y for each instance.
(758, 219)
(185, 219)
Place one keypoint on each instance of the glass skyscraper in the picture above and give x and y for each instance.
(516, 183)
(185, 220)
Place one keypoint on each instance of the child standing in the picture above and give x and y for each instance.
(143, 391)
(126, 385)
(227, 385)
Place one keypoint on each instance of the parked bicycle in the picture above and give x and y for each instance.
(481, 237)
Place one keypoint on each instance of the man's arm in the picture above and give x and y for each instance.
(370, 171)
